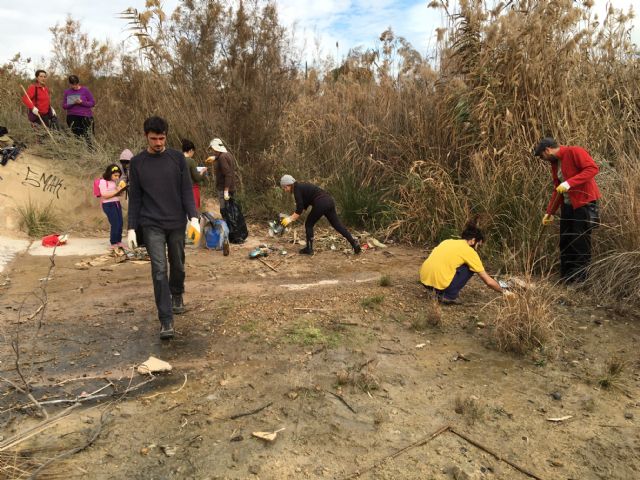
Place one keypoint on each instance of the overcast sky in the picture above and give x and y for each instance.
(351, 23)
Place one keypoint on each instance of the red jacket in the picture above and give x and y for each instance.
(43, 101)
(579, 170)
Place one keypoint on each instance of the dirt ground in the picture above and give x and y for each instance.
(319, 348)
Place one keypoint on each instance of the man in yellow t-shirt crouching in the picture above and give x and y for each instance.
(452, 263)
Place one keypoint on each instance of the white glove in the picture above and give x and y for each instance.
(195, 224)
(53, 112)
(226, 195)
(563, 187)
(132, 240)
(35, 110)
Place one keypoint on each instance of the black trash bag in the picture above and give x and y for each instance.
(232, 214)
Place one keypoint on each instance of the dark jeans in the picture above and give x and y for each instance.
(325, 206)
(460, 279)
(81, 126)
(113, 211)
(575, 240)
(161, 244)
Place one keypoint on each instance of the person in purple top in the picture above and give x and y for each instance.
(78, 102)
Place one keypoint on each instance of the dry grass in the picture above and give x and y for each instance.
(469, 408)
(38, 220)
(526, 320)
(612, 373)
(365, 380)
(431, 316)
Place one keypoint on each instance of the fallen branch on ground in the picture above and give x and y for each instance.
(252, 412)
(172, 392)
(30, 432)
(491, 452)
(339, 397)
(418, 443)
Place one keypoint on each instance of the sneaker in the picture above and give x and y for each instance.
(166, 330)
(449, 301)
(177, 305)
(357, 248)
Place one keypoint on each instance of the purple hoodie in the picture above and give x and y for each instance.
(81, 109)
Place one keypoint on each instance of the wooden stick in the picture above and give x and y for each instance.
(41, 121)
(265, 263)
(73, 451)
(339, 397)
(419, 443)
(172, 392)
(491, 452)
(252, 412)
(307, 309)
(22, 436)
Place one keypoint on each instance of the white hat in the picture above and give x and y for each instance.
(217, 146)
(287, 180)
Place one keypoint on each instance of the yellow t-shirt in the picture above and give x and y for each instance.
(439, 268)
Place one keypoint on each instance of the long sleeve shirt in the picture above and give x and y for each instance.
(225, 172)
(579, 170)
(80, 109)
(160, 191)
(305, 194)
(196, 177)
(37, 96)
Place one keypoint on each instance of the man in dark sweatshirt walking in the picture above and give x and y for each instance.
(160, 200)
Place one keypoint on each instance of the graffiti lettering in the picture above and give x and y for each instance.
(49, 183)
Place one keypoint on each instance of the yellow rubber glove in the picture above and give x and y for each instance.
(285, 221)
(122, 184)
(547, 219)
(563, 187)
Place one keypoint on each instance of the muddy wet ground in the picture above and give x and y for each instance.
(320, 349)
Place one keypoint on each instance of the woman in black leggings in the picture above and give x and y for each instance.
(322, 204)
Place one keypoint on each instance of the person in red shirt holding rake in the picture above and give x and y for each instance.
(576, 193)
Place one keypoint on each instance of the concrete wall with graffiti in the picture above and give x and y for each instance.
(45, 182)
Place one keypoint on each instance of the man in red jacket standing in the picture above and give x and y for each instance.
(576, 193)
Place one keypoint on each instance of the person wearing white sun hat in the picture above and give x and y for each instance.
(224, 170)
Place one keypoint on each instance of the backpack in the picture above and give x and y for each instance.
(96, 187)
(215, 232)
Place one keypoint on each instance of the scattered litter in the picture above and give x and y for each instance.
(169, 451)
(116, 354)
(154, 365)
(376, 243)
(560, 419)
(503, 284)
(421, 345)
(275, 228)
(268, 436)
(261, 250)
(460, 356)
(54, 240)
